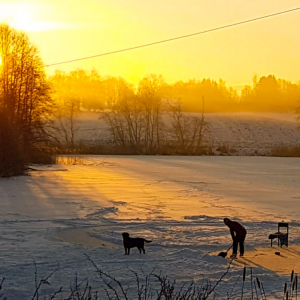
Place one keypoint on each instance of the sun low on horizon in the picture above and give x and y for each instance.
(68, 30)
(21, 16)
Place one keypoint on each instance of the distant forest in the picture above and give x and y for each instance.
(91, 92)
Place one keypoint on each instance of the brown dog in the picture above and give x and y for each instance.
(129, 242)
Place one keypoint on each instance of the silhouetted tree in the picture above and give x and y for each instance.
(270, 94)
(188, 130)
(217, 97)
(25, 102)
(151, 100)
(67, 96)
(125, 117)
(88, 87)
(134, 119)
(297, 111)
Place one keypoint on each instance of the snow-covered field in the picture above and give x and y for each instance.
(245, 133)
(55, 216)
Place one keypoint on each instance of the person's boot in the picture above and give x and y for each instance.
(233, 256)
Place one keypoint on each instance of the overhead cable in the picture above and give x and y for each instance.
(176, 38)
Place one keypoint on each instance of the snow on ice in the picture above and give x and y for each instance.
(53, 217)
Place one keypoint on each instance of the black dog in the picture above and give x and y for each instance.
(129, 242)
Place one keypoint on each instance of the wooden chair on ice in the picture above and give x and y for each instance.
(283, 238)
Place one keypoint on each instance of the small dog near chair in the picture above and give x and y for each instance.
(129, 243)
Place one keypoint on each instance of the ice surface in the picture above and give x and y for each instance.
(55, 215)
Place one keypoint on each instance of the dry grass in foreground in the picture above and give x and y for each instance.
(158, 287)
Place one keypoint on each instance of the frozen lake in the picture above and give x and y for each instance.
(52, 217)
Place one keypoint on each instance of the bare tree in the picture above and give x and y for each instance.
(134, 119)
(68, 96)
(188, 130)
(148, 92)
(297, 111)
(125, 117)
(66, 111)
(25, 102)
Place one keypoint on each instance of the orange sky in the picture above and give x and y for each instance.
(65, 30)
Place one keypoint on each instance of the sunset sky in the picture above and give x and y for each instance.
(65, 30)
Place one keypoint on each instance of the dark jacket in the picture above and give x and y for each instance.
(237, 231)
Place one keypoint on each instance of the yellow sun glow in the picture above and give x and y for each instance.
(24, 16)
(18, 15)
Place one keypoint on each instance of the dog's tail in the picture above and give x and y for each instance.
(147, 241)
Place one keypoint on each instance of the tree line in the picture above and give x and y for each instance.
(266, 93)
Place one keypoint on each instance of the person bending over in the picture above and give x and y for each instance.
(238, 234)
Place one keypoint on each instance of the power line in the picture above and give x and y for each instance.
(176, 38)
